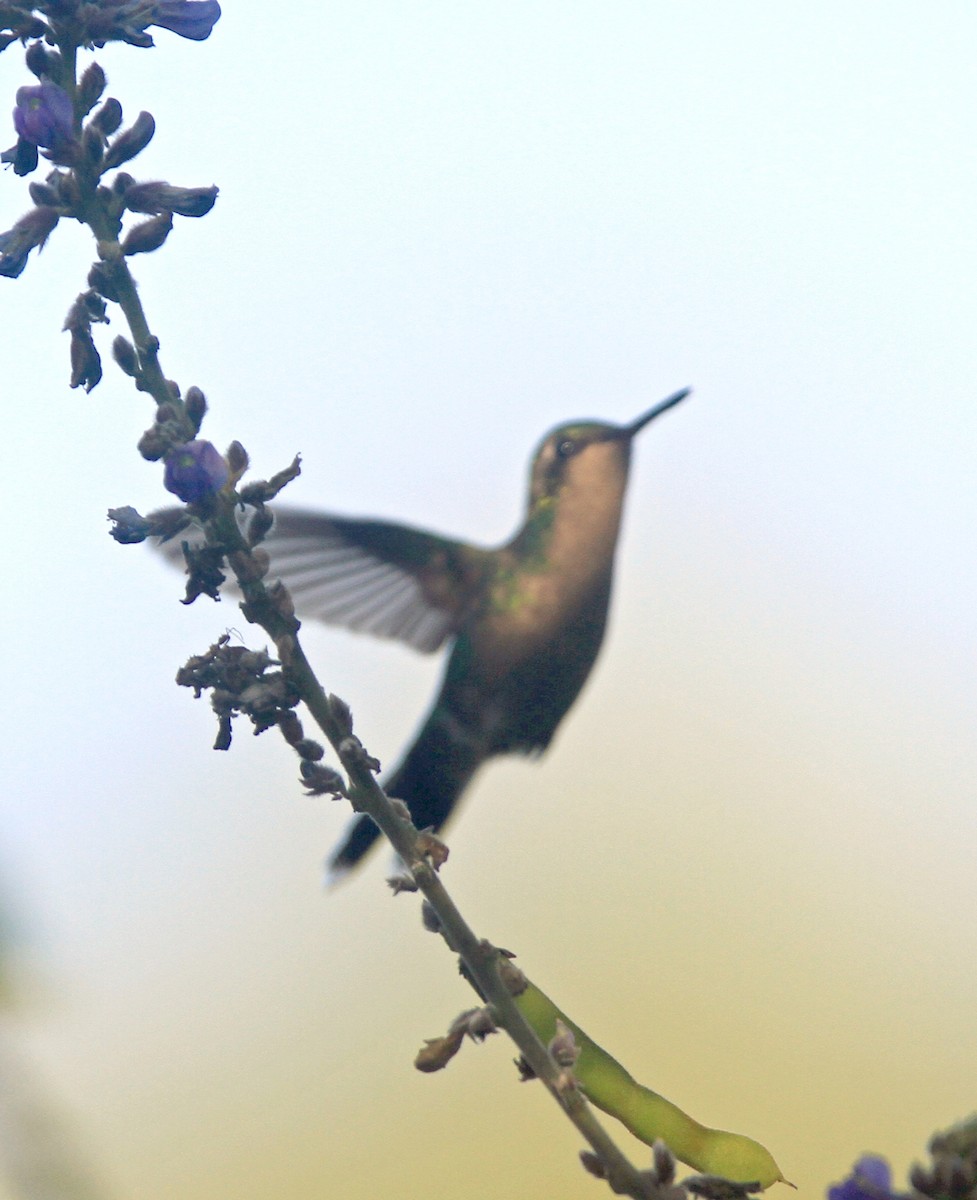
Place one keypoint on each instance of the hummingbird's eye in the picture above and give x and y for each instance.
(566, 447)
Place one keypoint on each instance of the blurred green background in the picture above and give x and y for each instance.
(746, 865)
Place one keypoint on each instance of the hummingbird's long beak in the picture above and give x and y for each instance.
(639, 424)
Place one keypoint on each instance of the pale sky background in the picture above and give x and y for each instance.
(746, 865)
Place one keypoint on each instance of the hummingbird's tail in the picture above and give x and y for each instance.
(430, 781)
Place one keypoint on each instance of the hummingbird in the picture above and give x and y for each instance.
(525, 620)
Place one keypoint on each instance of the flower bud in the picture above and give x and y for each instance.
(260, 526)
(125, 355)
(131, 141)
(109, 117)
(43, 193)
(664, 1163)
(92, 145)
(153, 445)
(196, 405)
(237, 459)
(42, 62)
(157, 197)
(592, 1164)
(166, 523)
(290, 726)
(147, 236)
(283, 603)
(340, 713)
(321, 781)
(27, 234)
(100, 279)
(90, 88)
(262, 561)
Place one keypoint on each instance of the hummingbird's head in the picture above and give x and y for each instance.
(591, 456)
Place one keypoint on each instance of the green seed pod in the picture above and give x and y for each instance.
(647, 1115)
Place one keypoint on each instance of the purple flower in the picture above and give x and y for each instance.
(194, 470)
(44, 115)
(192, 19)
(870, 1179)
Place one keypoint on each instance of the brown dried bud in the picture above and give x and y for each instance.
(402, 883)
(354, 753)
(526, 1073)
(663, 1163)
(321, 781)
(563, 1045)
(592, 1164)
(514, 979)
(223, 739)
(438, 1052)
(431, 847)
(429, 918)
(86, 366)
(476, 1023)
(400, 808)
(282, 600)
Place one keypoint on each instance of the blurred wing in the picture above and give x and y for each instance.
(375, 577)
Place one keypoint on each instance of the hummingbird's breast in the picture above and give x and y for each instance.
(528, 662)
(521, 662)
